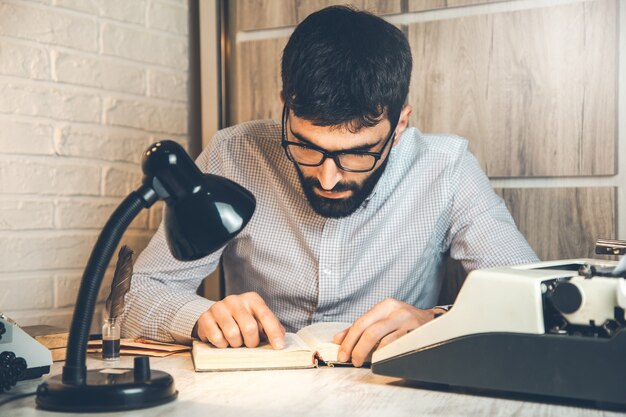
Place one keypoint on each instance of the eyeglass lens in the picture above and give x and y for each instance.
(312, 157)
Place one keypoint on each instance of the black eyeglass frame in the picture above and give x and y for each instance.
(334, 155)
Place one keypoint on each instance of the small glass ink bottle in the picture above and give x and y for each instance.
(111, 339)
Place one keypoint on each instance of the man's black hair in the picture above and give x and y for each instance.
(346, 67)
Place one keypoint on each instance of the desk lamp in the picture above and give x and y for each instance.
(203, 213)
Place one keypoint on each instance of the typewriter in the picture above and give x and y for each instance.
(555, 330)
(21, 356)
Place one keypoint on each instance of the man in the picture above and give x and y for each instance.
(355, 210)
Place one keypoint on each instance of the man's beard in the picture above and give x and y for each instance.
(340, 207)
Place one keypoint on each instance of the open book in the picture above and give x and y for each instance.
(302, 350)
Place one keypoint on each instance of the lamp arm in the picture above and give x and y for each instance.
(75, 371)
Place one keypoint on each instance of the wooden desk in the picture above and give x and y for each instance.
(309, 392)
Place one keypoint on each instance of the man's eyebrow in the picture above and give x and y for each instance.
(366, 147)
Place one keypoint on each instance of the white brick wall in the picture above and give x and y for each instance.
(85, 87)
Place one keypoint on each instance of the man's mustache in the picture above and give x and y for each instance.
(339, 187)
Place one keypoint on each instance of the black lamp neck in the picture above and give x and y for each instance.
(74, 371)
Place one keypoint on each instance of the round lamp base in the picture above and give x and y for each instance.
(113, 389)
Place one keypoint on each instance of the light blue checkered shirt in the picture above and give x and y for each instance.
(433, 197)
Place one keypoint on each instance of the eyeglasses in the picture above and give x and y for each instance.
(313, 156)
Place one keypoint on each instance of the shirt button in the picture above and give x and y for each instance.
(327, 271)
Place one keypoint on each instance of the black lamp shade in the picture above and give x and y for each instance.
(203, 211)
(205, 220)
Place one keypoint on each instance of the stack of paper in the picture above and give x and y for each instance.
(141, 347)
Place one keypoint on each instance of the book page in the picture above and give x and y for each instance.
(320, 337)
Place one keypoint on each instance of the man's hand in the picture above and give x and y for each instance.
(384, 323)
(238, 320)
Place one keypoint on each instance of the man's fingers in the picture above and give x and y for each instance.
(353, 334)
(378, 312)
(247, 326)
(338, 338)
(241, 319)
(391, 337)
(370, 338)
(270, 324)
(398, 323)
(227, 324)
(211, 332)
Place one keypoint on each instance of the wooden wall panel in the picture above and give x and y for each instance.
(258, 83)
(534, 90)
(562, 223)
(421, 5)
(378, 7)
(264, 14)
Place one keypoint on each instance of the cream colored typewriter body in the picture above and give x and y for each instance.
(553, 329)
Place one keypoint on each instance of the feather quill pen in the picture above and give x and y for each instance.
(121, 282)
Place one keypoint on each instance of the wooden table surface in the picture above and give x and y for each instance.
(339, 391)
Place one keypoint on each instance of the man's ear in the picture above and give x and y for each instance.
(282, 98)
(403, 123)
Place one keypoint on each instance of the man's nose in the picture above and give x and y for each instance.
(329, 174)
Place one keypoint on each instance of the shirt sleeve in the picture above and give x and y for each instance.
(482, 233)
(162, 303)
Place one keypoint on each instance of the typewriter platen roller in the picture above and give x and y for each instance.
(553, 329)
